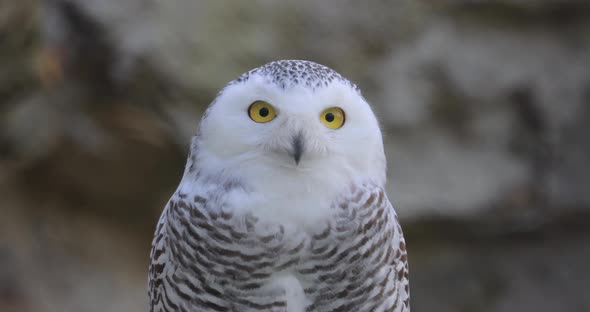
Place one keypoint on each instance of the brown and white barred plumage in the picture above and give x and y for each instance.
(357, 262)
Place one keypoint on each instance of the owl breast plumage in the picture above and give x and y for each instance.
(224, 243)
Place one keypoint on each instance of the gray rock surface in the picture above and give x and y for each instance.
(493, 109)
(483, 105)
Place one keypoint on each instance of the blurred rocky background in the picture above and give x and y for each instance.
(485, 107)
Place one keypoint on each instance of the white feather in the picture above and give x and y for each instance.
(256, 153)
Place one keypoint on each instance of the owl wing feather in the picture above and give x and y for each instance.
(371, 246)
(158, 262)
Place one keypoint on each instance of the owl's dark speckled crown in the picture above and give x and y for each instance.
(290, 73)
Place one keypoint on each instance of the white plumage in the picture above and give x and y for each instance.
(282, 205)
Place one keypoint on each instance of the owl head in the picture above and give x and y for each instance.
(291, 118)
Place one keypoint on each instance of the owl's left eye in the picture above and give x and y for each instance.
(333, 117)
(261, 111)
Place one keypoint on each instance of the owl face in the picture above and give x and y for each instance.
(280, 120)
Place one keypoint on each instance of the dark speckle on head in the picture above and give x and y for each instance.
(290, 73)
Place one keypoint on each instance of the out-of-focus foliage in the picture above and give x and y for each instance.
(483, 104)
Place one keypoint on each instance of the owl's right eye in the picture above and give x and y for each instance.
(261, 112)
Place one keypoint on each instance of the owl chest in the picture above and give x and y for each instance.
(246, 249)
(246, 258)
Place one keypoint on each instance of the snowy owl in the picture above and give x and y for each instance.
(282, 204)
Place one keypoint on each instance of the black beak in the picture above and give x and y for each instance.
(298, 147)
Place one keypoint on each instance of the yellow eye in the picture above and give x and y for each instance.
(261, 111)
(333, 117)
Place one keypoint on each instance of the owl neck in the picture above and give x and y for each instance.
(303, 198)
